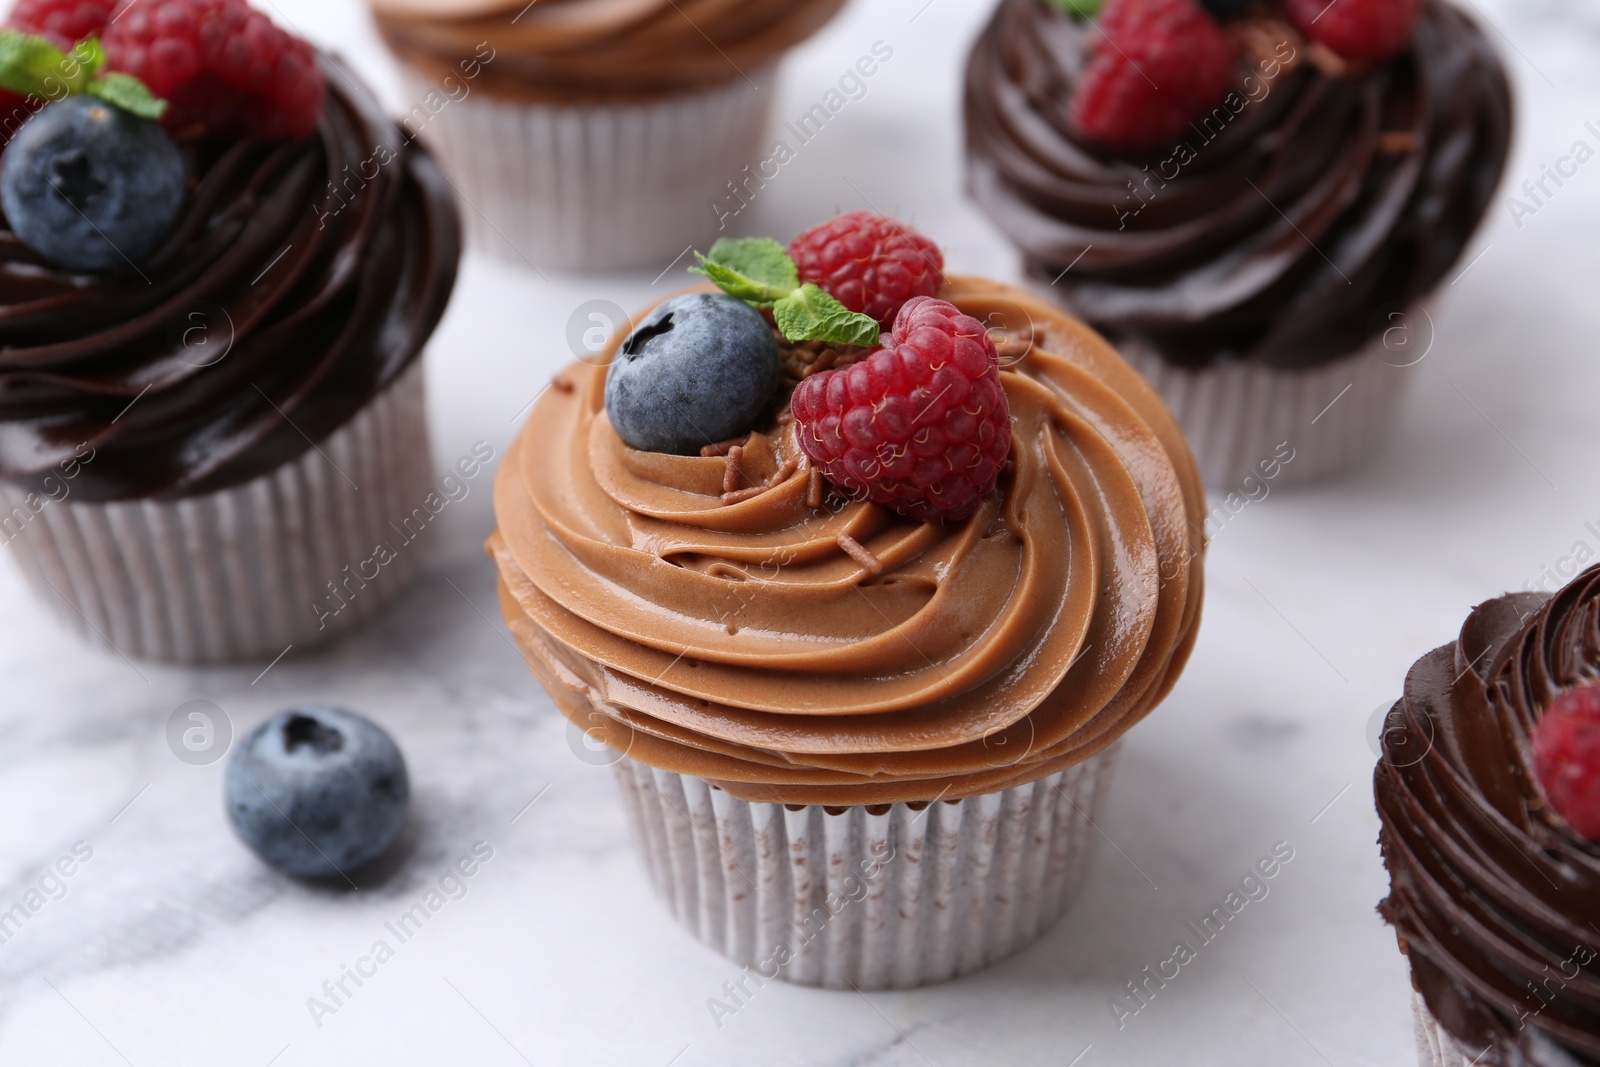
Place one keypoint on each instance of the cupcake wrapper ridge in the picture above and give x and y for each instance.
(243, 573)
(1435, 1048)
(881, 897)
(1238, 416)
(588, 187)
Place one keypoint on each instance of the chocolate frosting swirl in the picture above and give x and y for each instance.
(319, 266)
(746, 643)
(577, 49)
(1495, 900)
(1285, 231)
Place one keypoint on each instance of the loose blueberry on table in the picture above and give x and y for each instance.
(317, 792)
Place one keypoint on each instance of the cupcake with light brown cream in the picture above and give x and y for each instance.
(593, 134)
(859, 627)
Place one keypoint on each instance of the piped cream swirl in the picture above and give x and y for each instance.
(750, 643)
(596, 49)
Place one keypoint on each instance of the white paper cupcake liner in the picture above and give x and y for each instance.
(881, 897)
(243, 573)
(597, 187)
(1435, 1048)
(1238, 416)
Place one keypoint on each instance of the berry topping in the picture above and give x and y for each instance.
(758, 271)
(1157, 65)
(90, 186)
(61, 22)
(699, 369)
(317, 792)
(869, 263)
(224, 67)
(922, 425)
(1079, 9)
(1364, 30)
(1566, 758)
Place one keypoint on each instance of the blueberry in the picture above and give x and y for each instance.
(316, 792)
(90, 186)
(1224, 8)
(699, 369)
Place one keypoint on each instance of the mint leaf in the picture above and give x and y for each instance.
(128, 93)
(751, 291)
(1079, 9)
(91, 55)
(809, 314)
(760, 259)
(32, 66)
(757, 270)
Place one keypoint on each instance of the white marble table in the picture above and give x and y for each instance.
(172, 946)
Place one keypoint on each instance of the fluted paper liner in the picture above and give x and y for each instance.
(1334, 416)
(239, 574)
(1435, 1048)
(597, 186)
(880, 897)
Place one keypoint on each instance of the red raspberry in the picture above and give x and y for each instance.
(1157, 66)
(869, 263)
(1566, 758)
(921, 425)
(62, 22)
(221, 65)
(1364, 30)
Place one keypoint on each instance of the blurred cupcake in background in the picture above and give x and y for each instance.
(1488, 794)
(219, 265)
(593, 134)
(1254, 202)
(859, 615)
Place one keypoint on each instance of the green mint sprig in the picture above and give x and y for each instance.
(1079, 9)
(759, 271)
(32, 66)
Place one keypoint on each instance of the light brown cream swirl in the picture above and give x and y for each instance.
(740, 642)
(578, 49)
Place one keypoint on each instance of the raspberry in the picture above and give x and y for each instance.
(1157, 66)
(869, 263)
(1364, 30)
(62, 22)
(222, 66)
(921, 425)
(1566, 758)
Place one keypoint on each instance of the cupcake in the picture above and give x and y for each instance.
(1489, 798)
(1261, 236)
(596, 134)
(858, 617)
(212, 437)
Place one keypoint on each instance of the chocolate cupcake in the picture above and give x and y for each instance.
(1489, 796)
(200, 445)
(861, 672)
(594, 134)
(1263, 245)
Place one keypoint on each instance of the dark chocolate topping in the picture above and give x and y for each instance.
(1289, 224)
(1496, 901)
(319, 266)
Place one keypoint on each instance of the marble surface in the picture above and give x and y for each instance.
(172, 946)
